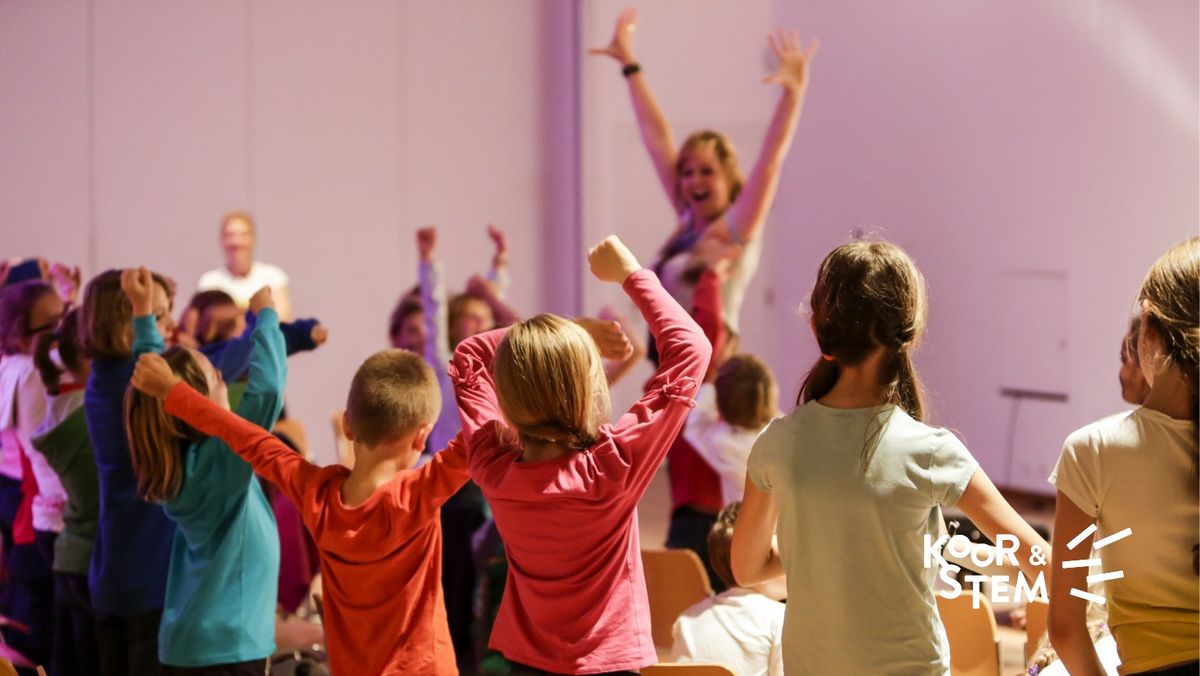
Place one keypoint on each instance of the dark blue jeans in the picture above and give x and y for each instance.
(75, 652)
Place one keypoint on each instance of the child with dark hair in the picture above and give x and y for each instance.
(856, 450)
(62, 438)
(27, 310)
(741, 627)
(128, 573)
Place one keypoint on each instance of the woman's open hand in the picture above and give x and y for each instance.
(621, 45)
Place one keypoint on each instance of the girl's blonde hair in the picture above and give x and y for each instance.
(550, 382)
(156, 439)
(1170, 296)
(868, 295)
(726, 156)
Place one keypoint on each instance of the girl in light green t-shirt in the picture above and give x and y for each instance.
(853, 482)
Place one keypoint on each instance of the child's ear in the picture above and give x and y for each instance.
(421, 437)
(346, 432)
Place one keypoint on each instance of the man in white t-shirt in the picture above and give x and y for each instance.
(242, 276)
(740, 628)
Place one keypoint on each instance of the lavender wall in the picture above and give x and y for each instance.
(128, 128)
(1034, 158)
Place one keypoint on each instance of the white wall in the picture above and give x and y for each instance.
(128, 128)
(1035, 158)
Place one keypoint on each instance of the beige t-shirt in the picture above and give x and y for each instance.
(1135, 470)
(860, 599)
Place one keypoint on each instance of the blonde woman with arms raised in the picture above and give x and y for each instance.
(701, 177)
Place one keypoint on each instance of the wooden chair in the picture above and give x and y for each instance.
(971, 631)
(677, 669)
(675, 581)
(1037, 614)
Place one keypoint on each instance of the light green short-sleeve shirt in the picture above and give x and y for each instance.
(860, 600)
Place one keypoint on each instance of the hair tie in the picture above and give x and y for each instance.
(828, 357)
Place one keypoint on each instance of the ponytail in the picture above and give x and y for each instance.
(50, 372)
(869, 297)
(156, 438)
(820, 380)
(63, 338)
(904, 387)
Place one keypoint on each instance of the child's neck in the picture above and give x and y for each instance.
(372, 468)
(1170, 395)
(857, 386)
(535, 451)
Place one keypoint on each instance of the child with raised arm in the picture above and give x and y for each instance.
(376, 527)
(853, 481)
(219, 608)
(446, 323)
(124, 313)
(701, 177)
(563, 483)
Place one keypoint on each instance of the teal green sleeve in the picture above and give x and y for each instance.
(263, 399)
(146, 337)
(224, 474)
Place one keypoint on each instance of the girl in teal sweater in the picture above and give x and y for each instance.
(219, 610)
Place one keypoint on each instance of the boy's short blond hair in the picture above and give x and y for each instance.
(393, 393)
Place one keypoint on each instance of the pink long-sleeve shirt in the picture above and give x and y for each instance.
(575, 598)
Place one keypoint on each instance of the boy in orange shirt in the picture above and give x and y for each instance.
(376, 526)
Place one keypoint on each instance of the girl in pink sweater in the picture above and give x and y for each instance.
(563, 483)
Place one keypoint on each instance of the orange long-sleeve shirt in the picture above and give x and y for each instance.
(380, 561)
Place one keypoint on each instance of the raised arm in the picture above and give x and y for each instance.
(617, 368)
(232, 357)
(757, 195)
(139, 287)
(646, 431)
(655, 130)
(498, 272)
(474, 389)
(433, 300)
(268, 371)
(424, 492)
(269, 456)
